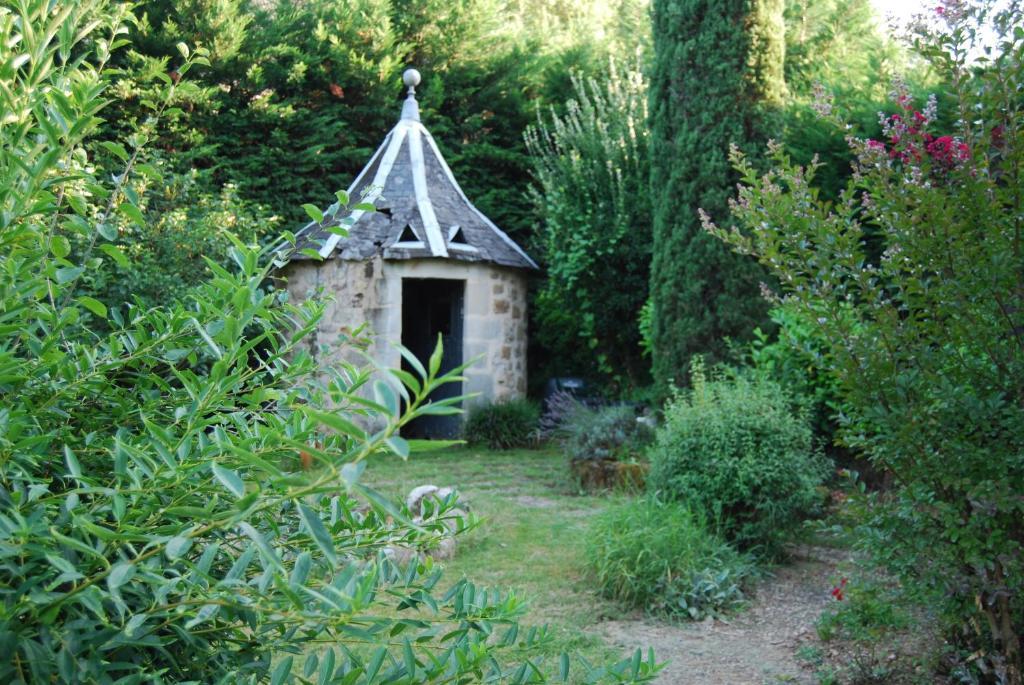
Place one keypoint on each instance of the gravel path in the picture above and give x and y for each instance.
(757, 646)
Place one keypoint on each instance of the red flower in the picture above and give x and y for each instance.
(947, 151)
(837, 591)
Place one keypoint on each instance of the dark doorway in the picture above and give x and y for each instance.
(432, 307)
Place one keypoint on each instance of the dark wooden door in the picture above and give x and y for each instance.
(433, 307)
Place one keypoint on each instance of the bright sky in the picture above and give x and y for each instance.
(901, 10)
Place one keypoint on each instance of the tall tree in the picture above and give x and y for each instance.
(591, 167)
(717, 80)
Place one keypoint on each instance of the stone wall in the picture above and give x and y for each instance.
(370, 292)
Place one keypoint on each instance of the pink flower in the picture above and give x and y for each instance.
(947, 151)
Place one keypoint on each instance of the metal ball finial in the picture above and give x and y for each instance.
(411, 78)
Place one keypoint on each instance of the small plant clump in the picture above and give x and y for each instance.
(734, 449)
(605, 433)
(606, 445)
(661, 557)
(502, 425)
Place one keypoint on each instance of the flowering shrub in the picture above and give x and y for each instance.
(916, 282)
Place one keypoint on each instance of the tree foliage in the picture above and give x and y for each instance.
(591, 166)
(154, 524)
(924, 330)
(717, 80)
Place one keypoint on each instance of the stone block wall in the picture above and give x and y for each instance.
(370, 292)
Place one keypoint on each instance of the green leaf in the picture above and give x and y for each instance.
(206, 337)
(108, 231)
(432, 445)
(310, 666)
(60, 247)
(74, 468)
(149, 171)
(115, 149)
(300, 569)
(398, 445)
(132, 212)
(183, 49)
(326, 667)
(385, 396)
(284, 668)
(114, 252)
(266, 551)
(335, 422)
(415, 363)
(177, 546)
(435, 358)
(351, 472)
(320, 534)
(375, 663)
(342, 197)
(94, 306)
(120, 574)
(382, 503)
(314, 213)
(69, 273)
(229, 479)
(563, 669)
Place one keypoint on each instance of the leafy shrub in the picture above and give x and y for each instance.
(502, 425)
(604, 433)
(151, 529)
(660, 556)
(925, 250)
(866, 611)
(796, 360)
(591, 167)
(734, 449)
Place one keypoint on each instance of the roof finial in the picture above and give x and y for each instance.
(411, 110)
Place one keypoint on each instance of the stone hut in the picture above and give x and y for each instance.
(425, 262)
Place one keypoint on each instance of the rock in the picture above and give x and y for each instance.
(445, 548)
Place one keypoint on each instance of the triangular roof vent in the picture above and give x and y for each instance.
(456, 236)
(408, 235)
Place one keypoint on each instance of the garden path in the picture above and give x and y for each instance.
(759, 645)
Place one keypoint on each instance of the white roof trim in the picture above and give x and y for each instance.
(393, 141)
(451, 177)
(423, 203)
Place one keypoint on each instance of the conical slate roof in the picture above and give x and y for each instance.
(421, 210)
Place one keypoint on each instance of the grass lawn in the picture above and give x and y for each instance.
(531, 538)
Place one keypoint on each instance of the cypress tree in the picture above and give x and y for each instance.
(717, 80)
